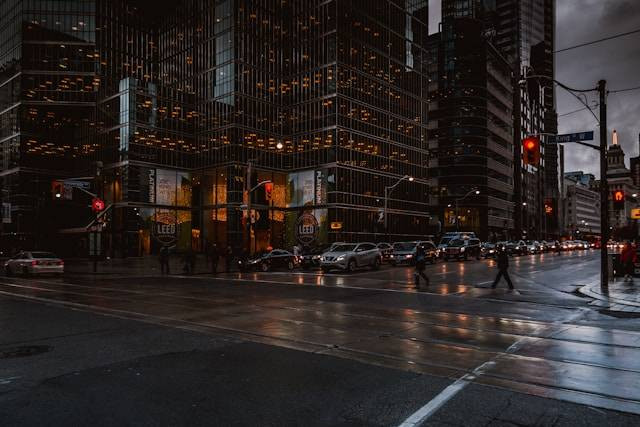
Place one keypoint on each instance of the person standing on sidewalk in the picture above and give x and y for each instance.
(215, 257)
(421, 262)
(228, 258)
(628, 257)
(164, 259)
(503, 268)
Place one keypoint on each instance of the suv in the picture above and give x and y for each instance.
(462, 248)
(350, 256)
(447, 237)
(517, 247)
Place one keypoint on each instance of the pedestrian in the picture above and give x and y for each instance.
(164, 259)
(421, 262)
(628, 258)
(228, 258)
(215, 256)
(503, 268)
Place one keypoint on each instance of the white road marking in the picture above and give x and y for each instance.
(8, 380)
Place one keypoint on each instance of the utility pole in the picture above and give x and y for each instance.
(604, 189)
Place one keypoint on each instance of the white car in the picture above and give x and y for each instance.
(28, 263)
(351, 256)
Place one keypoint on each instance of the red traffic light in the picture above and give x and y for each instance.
(268, 188)
(97, 205)
(531, 150)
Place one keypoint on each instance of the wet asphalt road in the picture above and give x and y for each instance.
(309, 349)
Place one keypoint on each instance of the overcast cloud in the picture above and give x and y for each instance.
(617, 61)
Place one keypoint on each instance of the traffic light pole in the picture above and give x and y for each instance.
(604, 190)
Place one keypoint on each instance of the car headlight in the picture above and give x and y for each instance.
(491, 251)
(254, 261)
(340, 258)
(408, 256)
(317, 257)
(391, 256)
(461, 249)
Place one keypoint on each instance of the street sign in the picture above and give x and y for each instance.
(571, 137)
(77, 184)
(635, 213)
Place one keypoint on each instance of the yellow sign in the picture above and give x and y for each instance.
(635, 213)
(336, 226)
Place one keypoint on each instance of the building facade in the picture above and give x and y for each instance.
(581, 206)
(619, 177)
(183, 110)
(471, 126)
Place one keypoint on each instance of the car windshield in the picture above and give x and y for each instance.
(404, 246)
(344, 248)
(456, 242)
(445, 240)
(43, 255)
(529, 242)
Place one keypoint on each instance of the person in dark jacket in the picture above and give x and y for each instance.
(215, 257)
(421, 262)
(503, 268)
(628, 258)
(164, 259)
(228, 258)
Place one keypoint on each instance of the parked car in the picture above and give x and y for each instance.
(271, 260)
(533, 247)
(405, 252)
(386, 250)
(447, 237)
(489, 250)
(351, 256)
(311, 257)
(516, 247)
(462, 249)
(28, 263)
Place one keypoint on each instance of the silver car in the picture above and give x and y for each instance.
(35, 262)
(351, 256)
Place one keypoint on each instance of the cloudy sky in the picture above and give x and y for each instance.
(617, 61)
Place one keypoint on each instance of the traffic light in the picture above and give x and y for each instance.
(57, 190)
(618, 200)
(268, 188)
(531, 150)
(97, 205)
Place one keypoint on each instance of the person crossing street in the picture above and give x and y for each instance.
(503, 268)
(421, 262)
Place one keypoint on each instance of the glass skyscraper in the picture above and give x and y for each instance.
(165, 107)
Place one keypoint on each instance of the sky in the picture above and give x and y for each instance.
(616, 61)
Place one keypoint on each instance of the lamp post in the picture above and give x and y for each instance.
(474, 191)
(249, 190)
(387, 193)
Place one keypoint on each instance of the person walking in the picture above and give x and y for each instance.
(189, 262)
(215, 257)
(164, 259)
(503, 268)
(628, 258)
(228, 258)
(421, 262)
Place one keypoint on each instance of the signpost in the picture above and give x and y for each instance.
(570, 137)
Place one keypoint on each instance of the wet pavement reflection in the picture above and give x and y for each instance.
(527, 338)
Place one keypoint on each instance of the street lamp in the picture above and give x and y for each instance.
(387, 193)
(474, 191)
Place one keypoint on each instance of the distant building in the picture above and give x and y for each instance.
(620, 178)
(581, 205)
(634, 163)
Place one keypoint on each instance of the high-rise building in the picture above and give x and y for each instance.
(471, 125)
(184, 109)
(581, 206)
(523, 33)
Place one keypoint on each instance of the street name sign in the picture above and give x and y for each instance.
(571, 137)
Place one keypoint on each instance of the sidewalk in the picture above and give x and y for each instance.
(621, 296)
(142, 266)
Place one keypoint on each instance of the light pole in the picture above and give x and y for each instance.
(249, 190)
(474, 191)
(602, 148)
(387, 193)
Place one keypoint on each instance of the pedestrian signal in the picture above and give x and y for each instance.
(618, 200)
(268, 188)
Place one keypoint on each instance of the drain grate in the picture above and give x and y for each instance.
(24, 351)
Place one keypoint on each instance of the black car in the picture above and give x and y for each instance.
(311, 257)
(385, 250)
(462, 249)
(272, 260)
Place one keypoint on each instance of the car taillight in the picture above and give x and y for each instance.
(60, 262)
(35, 262)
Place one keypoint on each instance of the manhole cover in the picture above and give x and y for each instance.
(24, 351)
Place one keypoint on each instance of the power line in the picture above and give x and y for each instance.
(577, 111)
(598, 41)
(625, 90)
